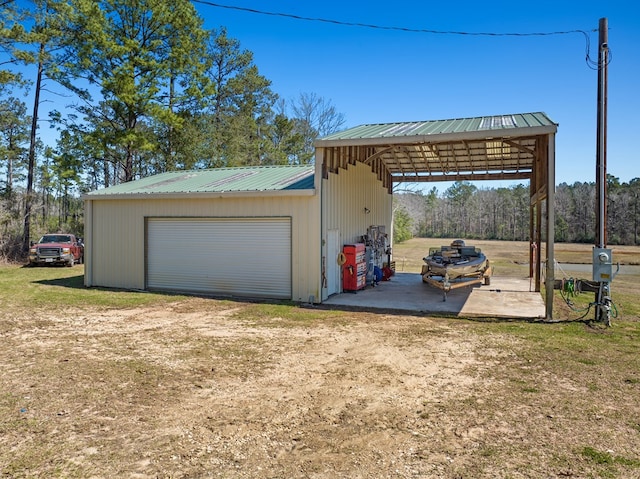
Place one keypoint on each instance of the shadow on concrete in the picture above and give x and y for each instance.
(505, 298)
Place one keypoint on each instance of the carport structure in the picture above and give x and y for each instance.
(503, 147)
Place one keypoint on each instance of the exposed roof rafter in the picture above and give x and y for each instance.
(501, 147)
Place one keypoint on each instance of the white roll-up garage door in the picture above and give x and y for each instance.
(229, 256)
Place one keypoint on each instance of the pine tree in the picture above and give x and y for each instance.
(14, 135)
(139, 59)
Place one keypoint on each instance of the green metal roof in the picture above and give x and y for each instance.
(443, 127)
(479, 148)
(220, 180)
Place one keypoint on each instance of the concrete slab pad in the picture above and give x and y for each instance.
(505, 298)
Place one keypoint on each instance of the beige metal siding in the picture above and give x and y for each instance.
(230, 256)
(116, 246)
(117, 233)
(345, 196)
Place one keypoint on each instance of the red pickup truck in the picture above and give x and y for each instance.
(58, 248)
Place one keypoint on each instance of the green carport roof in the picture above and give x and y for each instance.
(483, 125)
(478, 148)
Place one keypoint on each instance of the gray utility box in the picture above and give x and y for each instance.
(602, 265)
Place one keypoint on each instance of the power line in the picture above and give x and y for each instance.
(591, 63)
(383, 27)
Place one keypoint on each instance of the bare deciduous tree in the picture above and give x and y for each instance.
(315, 117)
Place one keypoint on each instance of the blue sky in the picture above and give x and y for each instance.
(380, 76)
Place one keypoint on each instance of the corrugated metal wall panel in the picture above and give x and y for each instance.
(234, 256)
(117, 246)
(344, 197)
(118, 235)
(348, 193)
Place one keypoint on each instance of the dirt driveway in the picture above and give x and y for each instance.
(204, 388)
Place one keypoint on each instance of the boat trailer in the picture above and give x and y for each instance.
(446, 284)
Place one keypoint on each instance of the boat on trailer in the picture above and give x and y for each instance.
(455, 266)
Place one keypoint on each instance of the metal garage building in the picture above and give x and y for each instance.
(276, 231)
(250, 231)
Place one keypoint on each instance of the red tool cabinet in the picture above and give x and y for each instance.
(354, 270)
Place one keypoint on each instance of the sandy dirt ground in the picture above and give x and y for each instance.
(200, 389)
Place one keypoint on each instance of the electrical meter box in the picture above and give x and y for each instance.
(602, 265)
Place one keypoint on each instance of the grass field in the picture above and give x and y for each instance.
(506, 256)
(104, 383)
(409, 254)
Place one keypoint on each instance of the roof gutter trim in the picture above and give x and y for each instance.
(441, 137)
(198, 195)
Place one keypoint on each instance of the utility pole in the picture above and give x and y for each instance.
(601, 142)
(602, 261)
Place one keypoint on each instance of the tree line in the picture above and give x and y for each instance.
(140, 87)
(465, 211)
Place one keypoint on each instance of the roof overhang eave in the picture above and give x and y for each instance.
(441, 137)
(199, 195)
